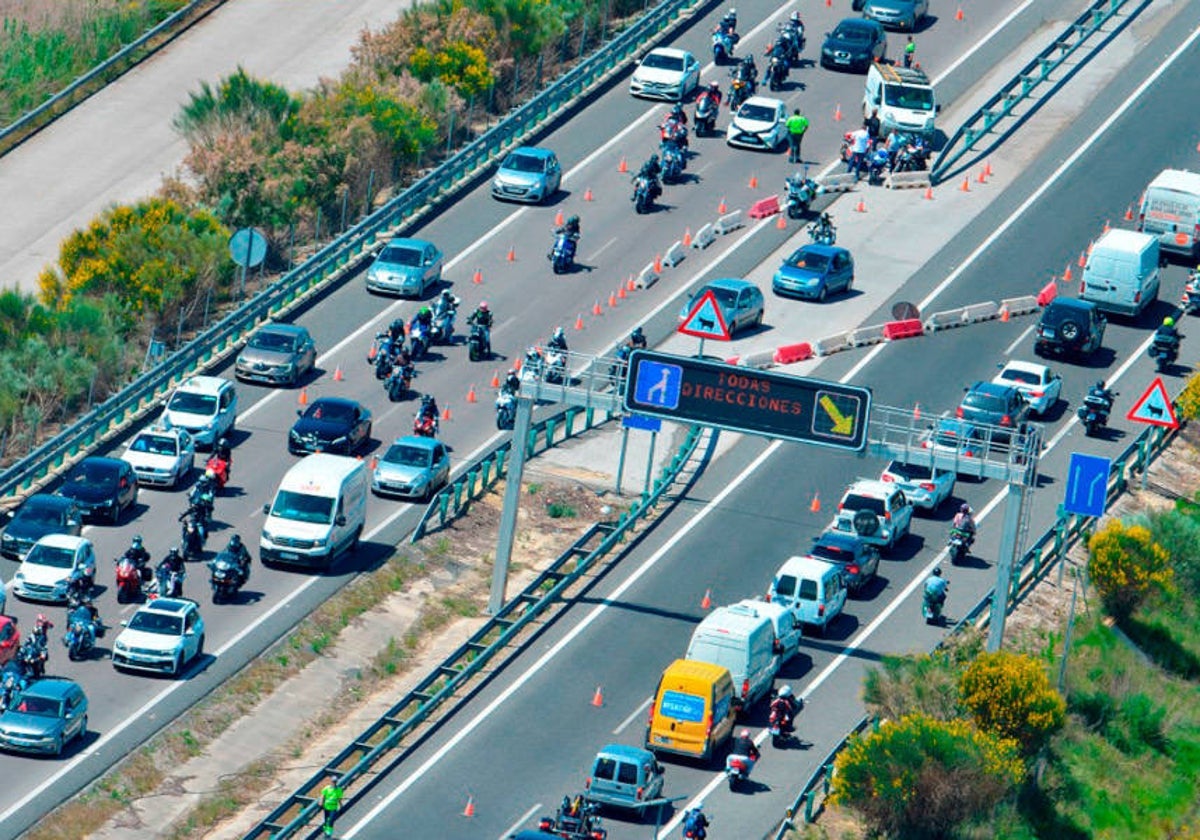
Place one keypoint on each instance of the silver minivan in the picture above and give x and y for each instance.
(1170, 210)
(624, 777)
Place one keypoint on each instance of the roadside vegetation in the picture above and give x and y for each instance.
(300, 166)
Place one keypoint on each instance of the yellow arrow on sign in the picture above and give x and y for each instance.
(843, 424)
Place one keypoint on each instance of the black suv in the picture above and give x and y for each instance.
(1069, 326)
(997, 405)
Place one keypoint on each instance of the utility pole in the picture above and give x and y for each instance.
(512, 500)
(1004, 566)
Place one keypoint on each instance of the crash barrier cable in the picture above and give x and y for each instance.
(1021, 86)
(1049, 549)
(336, 259)
(380, 741)
(112, 67)
(455, 498)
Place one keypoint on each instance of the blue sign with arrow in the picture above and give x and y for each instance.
(1087, 484)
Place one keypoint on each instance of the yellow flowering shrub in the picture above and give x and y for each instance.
(1124, 564)
(1010, 696)
(1188, 402)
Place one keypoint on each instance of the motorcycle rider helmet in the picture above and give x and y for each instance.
(222, 443)
(172, 552)
(559, 335)
(397, 325)
(937, 571)
(137, 540)
(786, 691)
(1168, 322)
(235, 542)
(41, 619)
(424, 311)
(794, 17)
(1099, 384)
(745, 733)
(654, 160)
(512, 372)
(483, 306)
(210, 475)
(964, 508)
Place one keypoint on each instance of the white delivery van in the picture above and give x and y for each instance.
(811, 588)
(742, 641)
(1170, 210)
(318, 512)
(788, 630)
(904, 98)
(1121, 273)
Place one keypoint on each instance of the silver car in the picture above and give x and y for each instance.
(413, 467)
(405, 267)
(528, 174)
(278, 354)
(163, 636)
(897, 14)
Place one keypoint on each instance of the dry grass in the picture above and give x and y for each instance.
(65, 15)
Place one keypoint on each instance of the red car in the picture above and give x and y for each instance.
(10, 639)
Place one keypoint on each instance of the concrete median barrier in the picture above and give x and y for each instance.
(864, 336)
(908, 328)
(674, 255)
(729, 222)
(789, 354)
(832, 344)
(704, 237)
(977, 312)
(1023, 305)
(907, 180)
(945, 320)
(845, 182)
(646, 278)
(758, 359)
(764, 207)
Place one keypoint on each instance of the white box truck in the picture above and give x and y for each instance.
(904, 98)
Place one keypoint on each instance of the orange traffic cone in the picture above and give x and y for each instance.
(781, 222)
(446, 413)
(721, 208)
(477, 277)
(687, 237)
(987, 167)
(1129, 213)
(512, 253)
(837, 113)
(753, 182)
(828, 4)
(861, 207)
(578, 322)
(374, 462)
(598, 697)
(917, 411)
(631, 284)
(815, 504)
(303, 398)
(1082, 258)
(982, 176)
(558, 219)
(706, 601)
(1067, 275)
(469, 811)
(495, 379)
(587, 194)
(1004, 316)
(337, 374)
(596, 310)
(372, 353)
(929, 193)
(966, 184)
(959, 14)
(622, 167)
(658, 263)
(621, 290)
(1107, 225)
(471, 395)
(612, 301)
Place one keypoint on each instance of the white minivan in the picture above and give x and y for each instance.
(319, 511)
(1170, 210)
(742, 641)
(1121, 273)
(811, 588)
(788, 630)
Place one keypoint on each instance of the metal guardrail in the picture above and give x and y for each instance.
(453, 500)
(331, 262)
(380, 741)
(129, 54)
(1049, 549)
(1020, 86)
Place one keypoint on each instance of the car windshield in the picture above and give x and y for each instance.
(190, 403)
(302, 507)
(811, 260)
(92, 475)
(277, 342)
(1024, 377)
(758, 113)
(857, 34)
(857, 501)
(154, 444)
(832, 553)
(660, 61)
(52, 556)
(953, 437)
(522, 162)
(913, 98)
(909, 472)
(985, 402)
(152, 621)
(32, 704)
(408, 456)
(401, 255)
(330, 412)
(726, 297)
(40, 513)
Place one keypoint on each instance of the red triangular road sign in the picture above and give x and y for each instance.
(1154, 407)
(705, 319)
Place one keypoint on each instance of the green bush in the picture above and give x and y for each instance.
(1125, 564)
(918, 683)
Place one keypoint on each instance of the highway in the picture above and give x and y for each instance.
(529, 302)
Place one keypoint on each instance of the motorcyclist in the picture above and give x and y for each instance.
(429, 408)
(423, 318)
(965, 522)
(446, 302)
(41, 629)
(512, 382)
(86, 615)
(695, 823)
(784, 705)
(558, 341)
(137, 554)
(1099, 392)
(743, 745)
(879, 160)
(637, 339)
(570, 227)
(241, 556)
(935, 587)
(747, 71)
(224, 451)
(713, 92)
(1167, 333)
(652, 170)
(779, 50)
(395, 332)
(729, 24)
(78, 587)
(172, 562)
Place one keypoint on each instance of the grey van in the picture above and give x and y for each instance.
(624, 777)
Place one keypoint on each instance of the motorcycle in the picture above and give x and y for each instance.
(443, 325)
(220, 470)
(672, 161)
(958, 544)
(878, 162)
(192, 536)
(425, 425)
(912, 156)
(1164, 352)
(1094, 412)
(478, 343)
(643, 194)
(33, 657)
(80, 638)
(706, 115)
(225, 577)
(800, 194)
(792, 35)
(13, 680)
(129, 580)
(931, 607)
(383, 360)
(737, 770)
(506, 409)
(556, 366)
(399, 383)
(577, 819)
(779, 724)
(1190, 302)
(722, 46)
(562, 255)
(202, 500)
(419, 339)
(739, 92)
(695, 825)
(168, 582)
(380, 345)
(822, 230)
(777, 72)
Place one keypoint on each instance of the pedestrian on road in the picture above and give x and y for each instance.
(873, 125)
(331, 801)
(910, 52)
(797, 124)
(860, 144)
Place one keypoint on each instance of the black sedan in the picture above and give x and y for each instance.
(858, 560)
(104, 488)
(987, 403)
(40, 515)
(330, 424)
(854, 44)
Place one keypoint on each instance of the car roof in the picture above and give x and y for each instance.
(56, 687)
(101, 461)
(533, 151)
(1071, 303)
(625, 751)
(1028, 367)
(283, 329)
(339, 401)
(956, 426)
(838, 538)
(857, 23)
(418, 441)
(673, 52)
(409, 242)
(174, 606)
(819, 248)
(205, 384)
(867, 486)
(69, 541)
(734, 284)
(47, 500)
(995, 389)
(768, 101)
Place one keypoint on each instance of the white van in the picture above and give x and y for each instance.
(1170, 210)
(742, 641)
(788, 630)
(1121, 274)
(318, 512)
(811, 588)
(904, 98)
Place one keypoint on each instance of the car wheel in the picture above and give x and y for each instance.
(177, 665)
(824, 293)
(849, 284)
(1070, 331)
(114, 518)
(83, 728)
(200, 648)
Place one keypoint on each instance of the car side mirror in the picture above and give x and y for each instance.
(937, 109)
(69, 716)
(124, 623)
(266, 508)
(71, 523)
(340, 521)
(299, 413)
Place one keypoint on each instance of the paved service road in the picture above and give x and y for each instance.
(116, 146)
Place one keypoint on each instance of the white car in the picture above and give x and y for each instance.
(666, 73)
(926, 487)
(761, 123)
(204, 406)
(877, 511)
(161, 457)
(164, 635)
(44, 572)
(1040, 386)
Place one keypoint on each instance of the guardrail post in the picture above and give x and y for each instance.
(808, 805)
(569, 421)
(500, 455)
(486, 468)
(550, 425)
(471, 476)
(458, 488)
(443, 507)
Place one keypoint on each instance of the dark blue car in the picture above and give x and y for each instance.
(814, 272)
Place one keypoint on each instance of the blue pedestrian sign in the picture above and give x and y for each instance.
(705, 320)
(1087, 484)
(641, 421)
(658, 384)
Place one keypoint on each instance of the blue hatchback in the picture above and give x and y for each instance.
(814, 272)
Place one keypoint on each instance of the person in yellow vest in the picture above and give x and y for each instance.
(797, 124)
(331, 801)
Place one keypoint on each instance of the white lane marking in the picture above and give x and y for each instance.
(602, 249)
(515, 827)
(632, 716)
(1008, 351)
(570, 636)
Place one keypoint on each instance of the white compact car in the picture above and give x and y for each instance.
(1040, 386)
(761, 123)
(204, 406)
(164, 635)
(161, 457)
(666, 73)
(43, 574)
